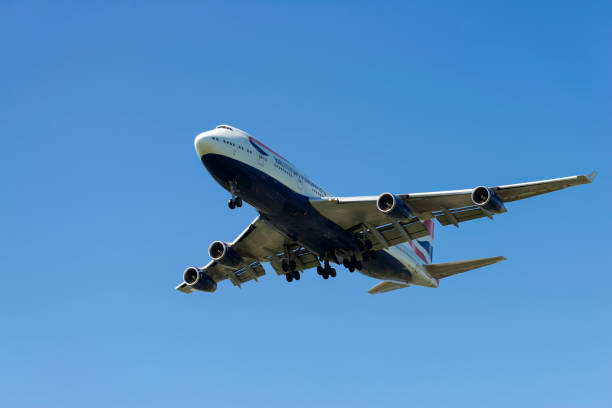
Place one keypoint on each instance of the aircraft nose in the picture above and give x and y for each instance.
(203, 143)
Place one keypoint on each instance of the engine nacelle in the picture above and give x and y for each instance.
(223, 253)
(393, 206)
(486, 199)
(198, 279)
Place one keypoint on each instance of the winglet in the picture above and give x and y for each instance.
(591, 176)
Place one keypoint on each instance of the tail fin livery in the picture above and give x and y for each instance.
(423, 246)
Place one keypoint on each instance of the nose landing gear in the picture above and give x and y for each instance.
(235, 201)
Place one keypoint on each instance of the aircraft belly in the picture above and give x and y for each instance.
(386, 267)
(288, 211)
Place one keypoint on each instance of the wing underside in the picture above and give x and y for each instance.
(448, 207)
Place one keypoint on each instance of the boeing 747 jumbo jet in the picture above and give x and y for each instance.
(301, 226)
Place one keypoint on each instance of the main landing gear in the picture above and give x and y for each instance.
(290, 269)
(366, 251)
(355, 262)
(352, 263)
(235, 201)
(326, 271)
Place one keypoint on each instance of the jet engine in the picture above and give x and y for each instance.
(393, 206)
(223, 253)
(486, 199)
(198, 279)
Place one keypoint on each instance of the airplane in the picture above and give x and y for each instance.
(301, 226)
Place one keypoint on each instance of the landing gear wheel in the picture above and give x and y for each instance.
(319, 270)
(289, 277)
(332, 273)
(292, 265)
(296, 275)
(346, 263)
(325, 276)
(351, 268)
(358, 265)
(238, 202)
(285, 266)
(231, 204)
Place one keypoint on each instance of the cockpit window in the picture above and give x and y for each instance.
(224, 127)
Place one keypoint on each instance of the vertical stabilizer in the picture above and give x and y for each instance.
(423, 246)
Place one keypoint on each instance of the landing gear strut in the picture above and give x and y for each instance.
(235, 201)
(290, 269)
(326, 271)
(366, 251)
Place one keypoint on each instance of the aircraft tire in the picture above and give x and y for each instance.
(296, 275)
(231, 204)
(289, 277)
(332, 273)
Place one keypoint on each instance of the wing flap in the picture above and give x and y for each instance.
(390, 233)
(251, 271)
(387, 286)
(185, 288)
(444, 270)
(450, 217)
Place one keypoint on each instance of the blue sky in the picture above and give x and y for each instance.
(105, 202)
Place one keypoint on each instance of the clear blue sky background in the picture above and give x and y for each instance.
(104, 202)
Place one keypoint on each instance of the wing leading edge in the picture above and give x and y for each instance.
(448, 207)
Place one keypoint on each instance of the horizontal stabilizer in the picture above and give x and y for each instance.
(444, 270)
(387, 286)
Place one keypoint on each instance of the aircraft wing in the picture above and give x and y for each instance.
(360, 214)
(257, 244)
